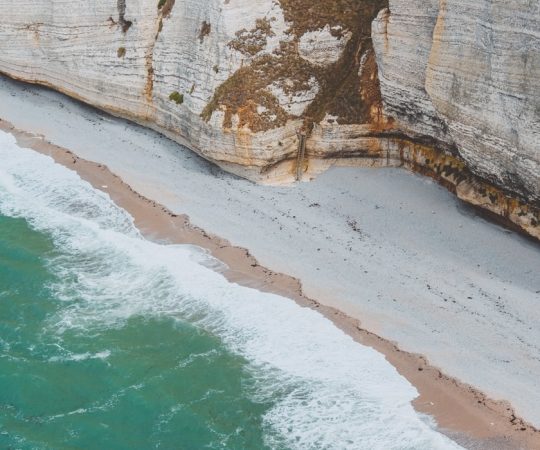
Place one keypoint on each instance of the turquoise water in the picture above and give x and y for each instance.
(153, 383)
(110, 341)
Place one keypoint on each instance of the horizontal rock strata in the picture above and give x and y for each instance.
(445, 87)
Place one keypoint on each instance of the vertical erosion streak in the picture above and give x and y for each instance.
(149, 64)
(301, 154)
(125, 24)
(164, 12)
(435, 53)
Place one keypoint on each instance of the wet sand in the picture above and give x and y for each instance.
(461, 411)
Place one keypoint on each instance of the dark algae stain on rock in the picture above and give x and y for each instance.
(165, 7)
(124, 24)
(205, 30)
(347, 89)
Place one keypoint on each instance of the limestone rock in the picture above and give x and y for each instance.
(483, 77)
(246, 71)
(320, 47)
(402, 41)
(237, 80)
(468, 75)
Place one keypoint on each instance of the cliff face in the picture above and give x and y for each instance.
(447, 88)
(468, 74)
(231, 79)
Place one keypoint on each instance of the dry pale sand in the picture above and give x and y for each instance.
(461, 411)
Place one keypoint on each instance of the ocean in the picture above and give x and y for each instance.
(111, 341)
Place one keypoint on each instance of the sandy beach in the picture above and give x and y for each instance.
(378, 250)
(461, 411)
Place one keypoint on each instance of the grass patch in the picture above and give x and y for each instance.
(176, 97)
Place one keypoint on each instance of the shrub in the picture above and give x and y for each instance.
(177, 97)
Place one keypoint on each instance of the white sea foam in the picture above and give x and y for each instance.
(331, 392)
(81, 356)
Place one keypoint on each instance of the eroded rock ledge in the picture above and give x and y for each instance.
(444, 87)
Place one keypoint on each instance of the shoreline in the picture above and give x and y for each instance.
(461, 411)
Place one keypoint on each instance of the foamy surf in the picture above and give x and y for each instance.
(327, 391)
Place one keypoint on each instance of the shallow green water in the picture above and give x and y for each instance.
(153, 383)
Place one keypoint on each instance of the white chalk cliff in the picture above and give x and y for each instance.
(449, 88)
(467, 74)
